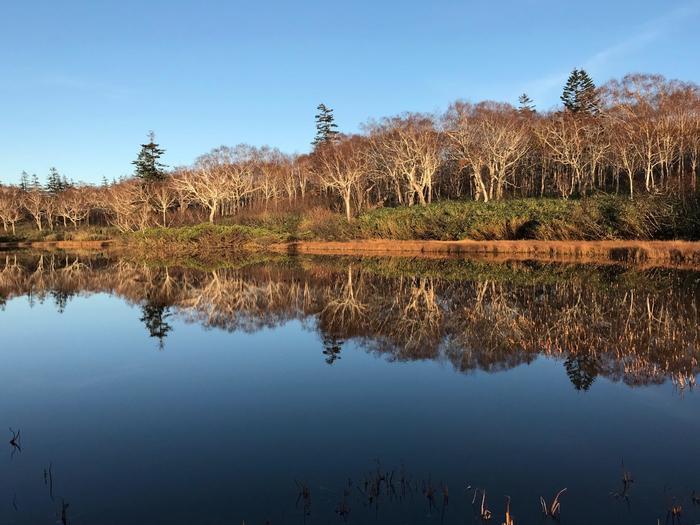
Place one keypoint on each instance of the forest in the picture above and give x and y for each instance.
(633, 141)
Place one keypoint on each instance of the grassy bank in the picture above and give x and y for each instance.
(544, 223)
(592, 219)
(204, 239)
(27, 232)
(599, 218)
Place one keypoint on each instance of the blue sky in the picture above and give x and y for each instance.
(83, 81)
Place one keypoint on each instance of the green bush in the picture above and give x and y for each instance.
(600, 217)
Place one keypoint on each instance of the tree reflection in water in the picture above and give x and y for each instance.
(639, 326)
(154, 317)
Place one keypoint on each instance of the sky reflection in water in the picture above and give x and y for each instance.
(170, 395)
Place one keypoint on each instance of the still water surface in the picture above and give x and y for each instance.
(154, 393)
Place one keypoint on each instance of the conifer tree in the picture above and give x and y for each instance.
(589, 99)
(326, 128)
(54, 183)
(580, 95)
(148, 168)
(35, 185)
(24, 181)
(526, 105)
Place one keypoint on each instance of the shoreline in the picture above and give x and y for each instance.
(667, 253)
(678, 253)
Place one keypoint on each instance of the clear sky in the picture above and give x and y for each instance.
(82, 81)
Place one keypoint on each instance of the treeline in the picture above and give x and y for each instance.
(637, 135)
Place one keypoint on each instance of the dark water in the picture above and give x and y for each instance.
(147, 393)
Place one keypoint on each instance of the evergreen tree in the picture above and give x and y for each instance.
(24, 181)
(326, 128)
(35, 184)
(54, 183)
(580, 95)
(526, 105)
(148, 168)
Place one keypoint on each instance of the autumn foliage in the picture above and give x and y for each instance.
(643, 141)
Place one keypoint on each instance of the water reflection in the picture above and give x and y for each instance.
(638, 326)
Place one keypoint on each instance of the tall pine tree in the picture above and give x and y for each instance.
(148, 167)
(24, 181)
(526, 105)
(35, 184)
(55, 184)
(326, 128)
(580, 95)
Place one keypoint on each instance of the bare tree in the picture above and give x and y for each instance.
(72, 205)
(162, 197)
(34, 201)
(342, 168)
(406, 150)
(10, 207)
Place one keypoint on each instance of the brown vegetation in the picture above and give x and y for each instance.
(645, 139)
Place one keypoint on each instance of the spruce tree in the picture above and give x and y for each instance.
(24, 181)
(35, 184)
(148, 168)
(326, 128)
(589, 100)
(526, 105)
(54, 183)
(580, 95)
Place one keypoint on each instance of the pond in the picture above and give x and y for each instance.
(333, 390)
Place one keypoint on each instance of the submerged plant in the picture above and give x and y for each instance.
(554, 508)
(483, 511)
(15, 441)
(48, 479)
(508, 519)
(64, 512)
(429, 493)
(343, 508)
(627, 480)
(674, 514)
(304, 497)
